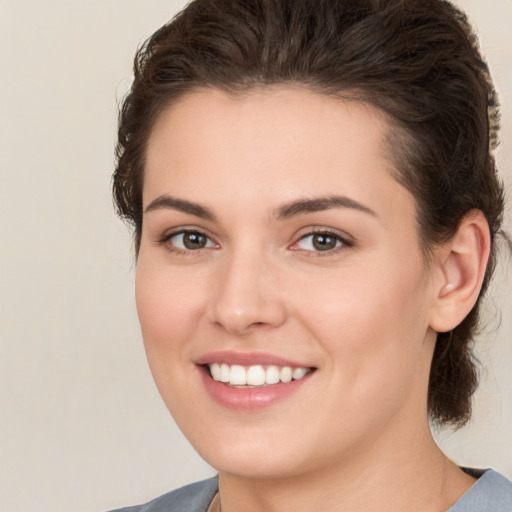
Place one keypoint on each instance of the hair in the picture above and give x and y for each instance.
(416, 60)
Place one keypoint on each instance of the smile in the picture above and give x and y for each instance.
(251, 381)
(255, 375)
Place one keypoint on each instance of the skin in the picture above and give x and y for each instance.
(355, 436)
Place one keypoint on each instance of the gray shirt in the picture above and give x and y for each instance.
(492, 492)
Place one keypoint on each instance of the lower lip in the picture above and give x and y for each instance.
(250, 399)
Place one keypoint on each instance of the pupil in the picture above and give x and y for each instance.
(194, 240)
(324, 242)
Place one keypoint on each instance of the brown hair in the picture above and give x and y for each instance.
(416, 60)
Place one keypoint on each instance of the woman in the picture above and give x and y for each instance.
(316, 209)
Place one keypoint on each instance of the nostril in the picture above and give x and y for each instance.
(258, 324)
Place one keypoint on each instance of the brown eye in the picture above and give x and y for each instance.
(321, 242)
(190, 240)
(194, 240)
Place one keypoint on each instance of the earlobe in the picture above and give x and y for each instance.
(462, 263)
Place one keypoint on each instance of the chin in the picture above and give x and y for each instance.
(257, 466)
(257, 454)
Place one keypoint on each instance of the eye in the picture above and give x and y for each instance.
(322, 241)
(189, 240)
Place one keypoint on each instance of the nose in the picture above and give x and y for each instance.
(248, 296)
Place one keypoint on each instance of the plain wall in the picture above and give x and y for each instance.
(82, 427)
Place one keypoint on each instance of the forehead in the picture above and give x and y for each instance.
(277, 143)
(277, 110)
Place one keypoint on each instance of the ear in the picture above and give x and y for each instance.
(460, 270)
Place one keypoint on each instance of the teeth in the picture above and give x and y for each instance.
(256, 375)
(298, 373)
(224, 373)
(286, 374)
(273, 375)
(215, 371)
(237, 375)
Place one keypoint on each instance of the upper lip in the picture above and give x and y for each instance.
(247, 359)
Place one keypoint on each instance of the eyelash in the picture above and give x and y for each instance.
(344, 242)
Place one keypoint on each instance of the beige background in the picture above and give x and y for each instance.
(81, 425)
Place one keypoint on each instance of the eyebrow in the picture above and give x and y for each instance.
(182, 205)
(303, 206)
(282, 212)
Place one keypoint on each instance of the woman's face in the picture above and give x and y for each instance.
(276, 245)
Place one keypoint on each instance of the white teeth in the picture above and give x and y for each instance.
(215, 371)
(256, 375)
(286, 374)
(272, 375)
(224, 373)
(237, 375)
(298, 373)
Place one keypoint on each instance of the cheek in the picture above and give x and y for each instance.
(372, 296)
(167, 304)
(169, 309)
(168, 317)
(371, 322)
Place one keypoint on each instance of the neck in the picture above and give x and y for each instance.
(369, 480)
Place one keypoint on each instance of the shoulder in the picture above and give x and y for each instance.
(492, 492)
(195, 497)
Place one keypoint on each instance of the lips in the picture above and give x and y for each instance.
(249, 381)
